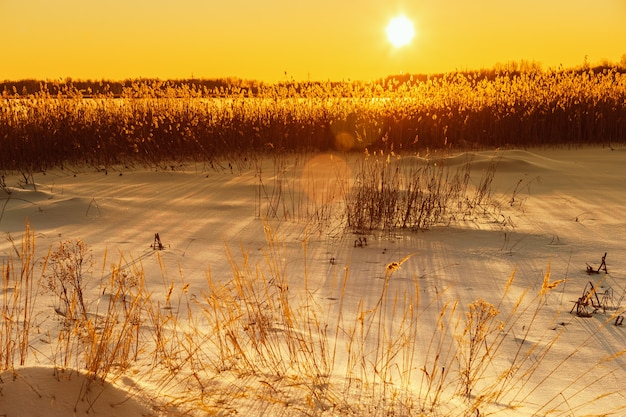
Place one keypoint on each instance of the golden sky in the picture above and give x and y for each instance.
(317, 40)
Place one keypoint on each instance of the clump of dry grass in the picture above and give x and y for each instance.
(260, 327)
(392, 191)
(473, 352)
(67, 268)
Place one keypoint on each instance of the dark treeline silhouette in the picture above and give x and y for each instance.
(90, 88)
(226, 87)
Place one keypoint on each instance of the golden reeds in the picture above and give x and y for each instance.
(153, 122)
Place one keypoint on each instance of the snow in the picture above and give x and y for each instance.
(551, 210)
(46, 391)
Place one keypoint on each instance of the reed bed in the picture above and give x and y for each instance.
(149, 122)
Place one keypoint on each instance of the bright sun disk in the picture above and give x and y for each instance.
(400, 31)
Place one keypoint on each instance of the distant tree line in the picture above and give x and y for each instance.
(228, 87)
(88, 88)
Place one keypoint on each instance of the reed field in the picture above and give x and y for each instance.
(45, 125)
(417, 246)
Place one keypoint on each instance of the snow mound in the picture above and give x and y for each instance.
(50, 392)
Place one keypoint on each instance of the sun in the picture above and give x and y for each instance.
(400, 31)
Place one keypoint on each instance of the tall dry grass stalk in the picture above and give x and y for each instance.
(17, 301)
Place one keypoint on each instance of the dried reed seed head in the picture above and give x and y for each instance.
(393, 266)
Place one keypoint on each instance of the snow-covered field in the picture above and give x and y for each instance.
(370, 324)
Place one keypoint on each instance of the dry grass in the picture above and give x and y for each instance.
(392, 191)
(18, 300)
(373, 191)
(260, 340)
(154, 123)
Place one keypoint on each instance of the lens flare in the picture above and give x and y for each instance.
(325, 179)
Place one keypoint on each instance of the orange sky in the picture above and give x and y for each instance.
(320, 40)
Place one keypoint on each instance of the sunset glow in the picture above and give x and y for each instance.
(276, 40)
